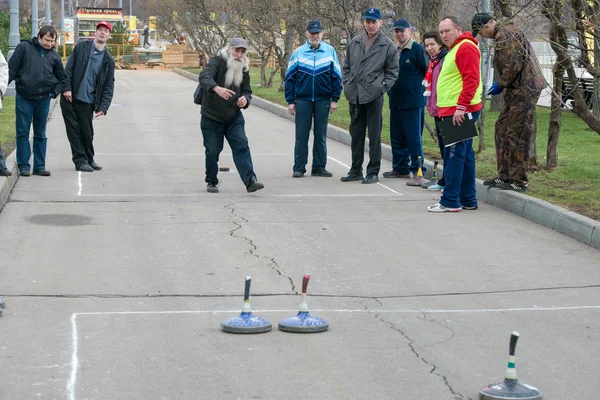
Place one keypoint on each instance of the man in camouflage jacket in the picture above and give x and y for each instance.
(522, 82)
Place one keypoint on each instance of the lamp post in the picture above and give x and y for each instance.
(35, 18)
(48, 13)
(13, 38)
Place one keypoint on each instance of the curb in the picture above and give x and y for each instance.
(8, 183)
(541, 212)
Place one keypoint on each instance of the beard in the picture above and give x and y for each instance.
(235, 72)
(314, 42)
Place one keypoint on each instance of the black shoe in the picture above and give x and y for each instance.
(25, 172)
(95, 166)
(493, 182)
(254, 185)
(212, 187)
(395, 174)
(513, 186)
(324, 173)
(352, 178)
(298, 174)
(41, 172)
(5, 172)
(84, 168)
(371, 178)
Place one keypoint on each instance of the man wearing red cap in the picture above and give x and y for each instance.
(88, 89)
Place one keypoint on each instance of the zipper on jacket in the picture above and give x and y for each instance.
(313, 74)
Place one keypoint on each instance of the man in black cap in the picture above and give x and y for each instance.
(370, 70)
(313, 85)
(226, 84)
(406, 106)
(521, 79)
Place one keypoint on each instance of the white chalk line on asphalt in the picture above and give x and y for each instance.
(185, 154)
(213, 195)
(75, 341)
(80, 184)
(380, 184)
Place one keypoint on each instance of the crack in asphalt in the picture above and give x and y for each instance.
(272, 263)
(433, 370)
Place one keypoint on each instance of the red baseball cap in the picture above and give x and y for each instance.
(104, 23)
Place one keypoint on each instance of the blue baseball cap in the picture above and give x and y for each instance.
(401, 24)
(372, 13)
(314, 26)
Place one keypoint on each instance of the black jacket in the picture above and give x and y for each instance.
(105, 84)
(36, 75)
(213, 106)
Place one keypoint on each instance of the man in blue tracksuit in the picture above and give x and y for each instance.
(406, 105)
(313, 85)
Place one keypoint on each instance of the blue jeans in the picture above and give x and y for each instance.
(214, 133)
(306, 111)
(28, 111)
(2, 160)
(406, 129)
(459, 172)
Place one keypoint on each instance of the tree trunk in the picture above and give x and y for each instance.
(273, 73)
(263, 73)
(431, 131)
(481, 127)
(555, 116)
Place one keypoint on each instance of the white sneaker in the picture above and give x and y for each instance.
(435, 188)
(438, 208)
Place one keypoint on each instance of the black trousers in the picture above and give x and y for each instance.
(78, 118)
(363, 117)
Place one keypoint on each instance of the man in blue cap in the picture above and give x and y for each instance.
(406, 105)
(370, 70)
(313, 86)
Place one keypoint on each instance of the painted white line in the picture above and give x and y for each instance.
(236, 194)
(332, 195)
(80, 184)
(74, 359)
(147, 194)
(390, 311)
(380, 184)
(185, 154)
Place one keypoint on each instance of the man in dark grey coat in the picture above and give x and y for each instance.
(370, 70)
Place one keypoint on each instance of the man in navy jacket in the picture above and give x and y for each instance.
(313, 85)
(406, 105)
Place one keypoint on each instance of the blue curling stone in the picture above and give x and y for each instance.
(509, 390)
(246, 323)
(303, 323)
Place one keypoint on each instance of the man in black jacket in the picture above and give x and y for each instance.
(88, 89)
(39, 75)
(226, 84)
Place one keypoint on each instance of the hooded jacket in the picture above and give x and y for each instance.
(105, 82)
(468, 62)
(213, 106)
(36, 75)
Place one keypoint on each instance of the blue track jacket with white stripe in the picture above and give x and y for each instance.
(313, 75)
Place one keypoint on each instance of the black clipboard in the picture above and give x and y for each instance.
(452, 134)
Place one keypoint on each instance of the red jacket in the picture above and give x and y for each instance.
(468, 61)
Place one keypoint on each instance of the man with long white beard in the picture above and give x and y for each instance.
(225, 82)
